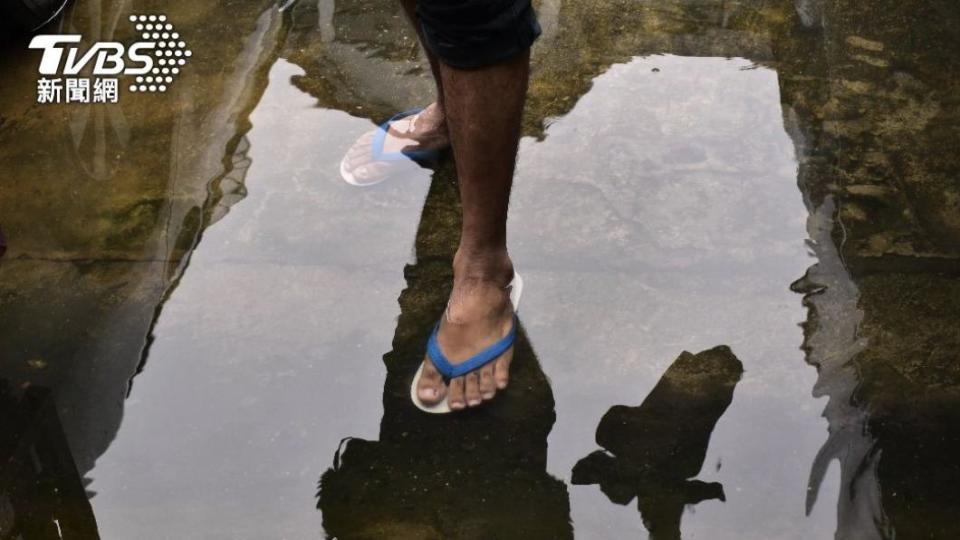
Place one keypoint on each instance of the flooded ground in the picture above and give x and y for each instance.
(739, 224)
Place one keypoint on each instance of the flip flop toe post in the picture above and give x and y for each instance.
(451, 371)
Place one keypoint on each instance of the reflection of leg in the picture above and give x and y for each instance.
(484, 108)
(430, 476)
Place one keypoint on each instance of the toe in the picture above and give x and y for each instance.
(370, 170)
(473, 389)
(456, 394)
(501, 370)
(488, 385)
(360, 153)
(430, 389)
(371, 173)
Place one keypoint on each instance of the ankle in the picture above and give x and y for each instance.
(433, 118)
(483, 264)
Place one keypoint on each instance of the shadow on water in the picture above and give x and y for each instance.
(478, 474)
(651, 451)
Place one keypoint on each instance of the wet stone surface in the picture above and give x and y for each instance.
(738, 223)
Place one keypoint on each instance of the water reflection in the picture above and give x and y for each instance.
(41, 495)
(652, 451)
(870, 118)
(832, 342)
(480, 474)
(881, 343)
(102, 225)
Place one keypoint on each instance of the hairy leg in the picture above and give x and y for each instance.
(484, 108)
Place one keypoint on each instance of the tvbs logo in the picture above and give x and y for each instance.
(69, 75)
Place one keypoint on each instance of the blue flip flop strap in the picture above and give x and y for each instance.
(379, 139)
(484, 357)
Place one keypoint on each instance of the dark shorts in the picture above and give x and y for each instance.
(475, 33)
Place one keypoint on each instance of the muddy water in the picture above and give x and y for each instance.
(206, 333)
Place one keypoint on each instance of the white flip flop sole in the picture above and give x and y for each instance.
(400, 170)
(402, 166)
(442, 407)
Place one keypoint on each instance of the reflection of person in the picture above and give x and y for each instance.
(41, 492)
(479, 55)
(474, 476)
(652, 450)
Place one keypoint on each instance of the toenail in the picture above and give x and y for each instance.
(488, 395)
(501, 384)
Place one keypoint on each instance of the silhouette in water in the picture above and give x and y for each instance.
(653, 450)
(41, 492)
(475, 474)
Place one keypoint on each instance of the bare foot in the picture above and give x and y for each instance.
(424, 131)
(479, 314)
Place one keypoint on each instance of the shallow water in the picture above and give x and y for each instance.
(206, 333)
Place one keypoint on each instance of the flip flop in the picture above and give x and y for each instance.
(484, 357)
(403, 159)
